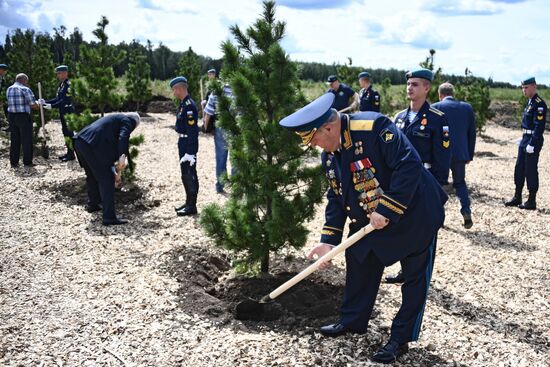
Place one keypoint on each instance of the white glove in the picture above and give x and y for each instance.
(530, 149)
(41, 101)
(47, 106)
(188, 158)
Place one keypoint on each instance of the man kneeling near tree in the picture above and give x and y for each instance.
(375, 176)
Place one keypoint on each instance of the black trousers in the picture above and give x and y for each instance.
(65, 129)
(526, 168)
(100, 180)
(21, 135)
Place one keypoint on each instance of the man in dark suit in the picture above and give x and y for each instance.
(462, 126)
(102, 148)
(375, 176)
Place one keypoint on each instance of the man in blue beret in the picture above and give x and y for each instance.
(369, 99)
(427, 130)
(345, 98)
(188, 144)
(376, 176)
(462, 126)
(209, 124)
(63, 101)
(533, 124)
(102, 149)
(3, 87)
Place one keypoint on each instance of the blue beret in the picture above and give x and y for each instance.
(421, 73)
(3, 66)
(364, 74)
(528, 81)
(178, 79)
(309, 118)
(61, 68)
(211, 71)
(332, 78)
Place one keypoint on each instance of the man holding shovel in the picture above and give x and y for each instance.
(375, 176)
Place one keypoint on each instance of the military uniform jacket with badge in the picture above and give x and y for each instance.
(534, 119)
(369, 100)
(429, 134)
(377, 169)
(63, 99)
(341, 96)
(186, 126)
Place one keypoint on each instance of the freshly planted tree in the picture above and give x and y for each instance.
(138, 79)
(476, 91)
(190, 67)
(97, 84)
(273, 189)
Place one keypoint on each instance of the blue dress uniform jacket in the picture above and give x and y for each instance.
(534, 120)
(63, 99)
(108, 137)
(378, 170)
(342, 96)
(429, 134)
(369, 100)
(186, 125)
(462, 127)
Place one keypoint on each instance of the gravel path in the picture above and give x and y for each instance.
(75, 293)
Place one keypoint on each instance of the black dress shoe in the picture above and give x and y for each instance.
(339, 329)
(67, 158)
(467, 221)
(188, 210)
(395, 279)
(390, 352)
(515, 201)
(114, 222)
(180, 207)
(92, 208)
(528, 205)
(61, 157)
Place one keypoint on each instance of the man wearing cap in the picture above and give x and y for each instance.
(376, 176)
(102, 149)
(345, 98)
(427, 130)
(532, 124)
(220, 141)
(369, 99)
(20, 102)
(64, 103)
(462, 126)
(208, 124)
(188, 144)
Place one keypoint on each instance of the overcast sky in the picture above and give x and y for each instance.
(504, 39)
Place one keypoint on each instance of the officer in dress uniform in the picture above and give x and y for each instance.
(375, 176)
(532, 124)
(63, 101)
(427, 130)
(462, 125)
(188, 144)
(345, 98)
(369, 99)
(101, 148)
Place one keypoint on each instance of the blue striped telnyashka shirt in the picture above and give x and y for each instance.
(210, 107)
(20, 98)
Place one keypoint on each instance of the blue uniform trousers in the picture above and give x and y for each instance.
(100, 179)
(21, 135)
(458, 168)
(526, 167)
(363, 281)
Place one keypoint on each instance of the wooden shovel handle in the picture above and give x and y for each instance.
(326, 257)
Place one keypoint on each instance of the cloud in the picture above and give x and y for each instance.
(314, 4)
(11, 14)
(466, 7)
(172, 6)
(414, 30)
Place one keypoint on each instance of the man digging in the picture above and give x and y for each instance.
(375, 176)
